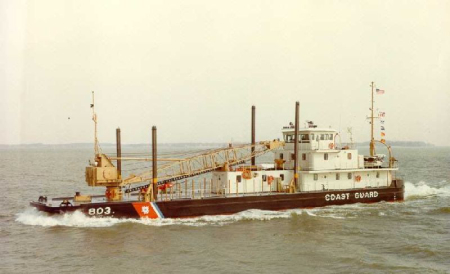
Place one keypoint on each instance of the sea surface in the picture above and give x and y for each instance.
(404, 237)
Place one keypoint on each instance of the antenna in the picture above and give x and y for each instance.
(350, 132)
(94, 118)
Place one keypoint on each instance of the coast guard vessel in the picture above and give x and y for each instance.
(310, 168)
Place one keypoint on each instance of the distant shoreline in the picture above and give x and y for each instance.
(402, 144)
(362, 144)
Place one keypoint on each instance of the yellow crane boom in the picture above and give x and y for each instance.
(212, 160)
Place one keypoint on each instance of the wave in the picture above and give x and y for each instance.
(34, 217)
(422, 190)
(77, 219)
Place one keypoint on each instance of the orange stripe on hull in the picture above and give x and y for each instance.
(145, 210)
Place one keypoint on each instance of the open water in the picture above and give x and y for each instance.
(408, 237)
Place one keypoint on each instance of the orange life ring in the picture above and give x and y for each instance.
(331, 145)
(165, 186)
(247, 174)
(358, 178)
(270, 180)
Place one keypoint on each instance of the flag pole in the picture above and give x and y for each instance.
(372, 142)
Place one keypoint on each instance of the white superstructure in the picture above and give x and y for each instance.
(323, 165)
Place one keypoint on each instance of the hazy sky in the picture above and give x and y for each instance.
(194, 68)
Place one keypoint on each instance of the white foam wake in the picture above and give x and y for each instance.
(34, 217)
(424, 190)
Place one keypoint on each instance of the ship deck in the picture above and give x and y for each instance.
(168, 197)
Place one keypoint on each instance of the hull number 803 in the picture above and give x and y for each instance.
(99, 211)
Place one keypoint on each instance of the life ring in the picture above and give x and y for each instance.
(358, 178)
(165, 186)
(247, 174)
(331, 145)
(270, 180)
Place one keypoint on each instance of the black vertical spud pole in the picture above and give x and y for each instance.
(155, 165)
(253, 135)
(119, 153)
(297, 106)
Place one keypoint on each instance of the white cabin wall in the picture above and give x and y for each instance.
(360, 161)
(329, 180)
(315, 160)
(342, 161)
(227, 181)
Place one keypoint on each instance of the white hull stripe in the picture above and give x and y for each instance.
(156, 208)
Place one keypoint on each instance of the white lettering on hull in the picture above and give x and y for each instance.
(99, 211)
(336, 197)
(367, 194)
(346, 196)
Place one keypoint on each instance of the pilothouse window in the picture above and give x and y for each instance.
(304, 138)
(289, 138)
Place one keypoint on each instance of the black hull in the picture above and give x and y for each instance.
(229, 205)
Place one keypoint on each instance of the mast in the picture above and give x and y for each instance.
(154, 165)
(94, 118)
(297, 106)
(253, 135)
(372, 141)
(119, 153)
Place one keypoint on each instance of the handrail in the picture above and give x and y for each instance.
(391, 159)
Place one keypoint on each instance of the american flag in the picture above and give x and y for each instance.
(380, 91)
